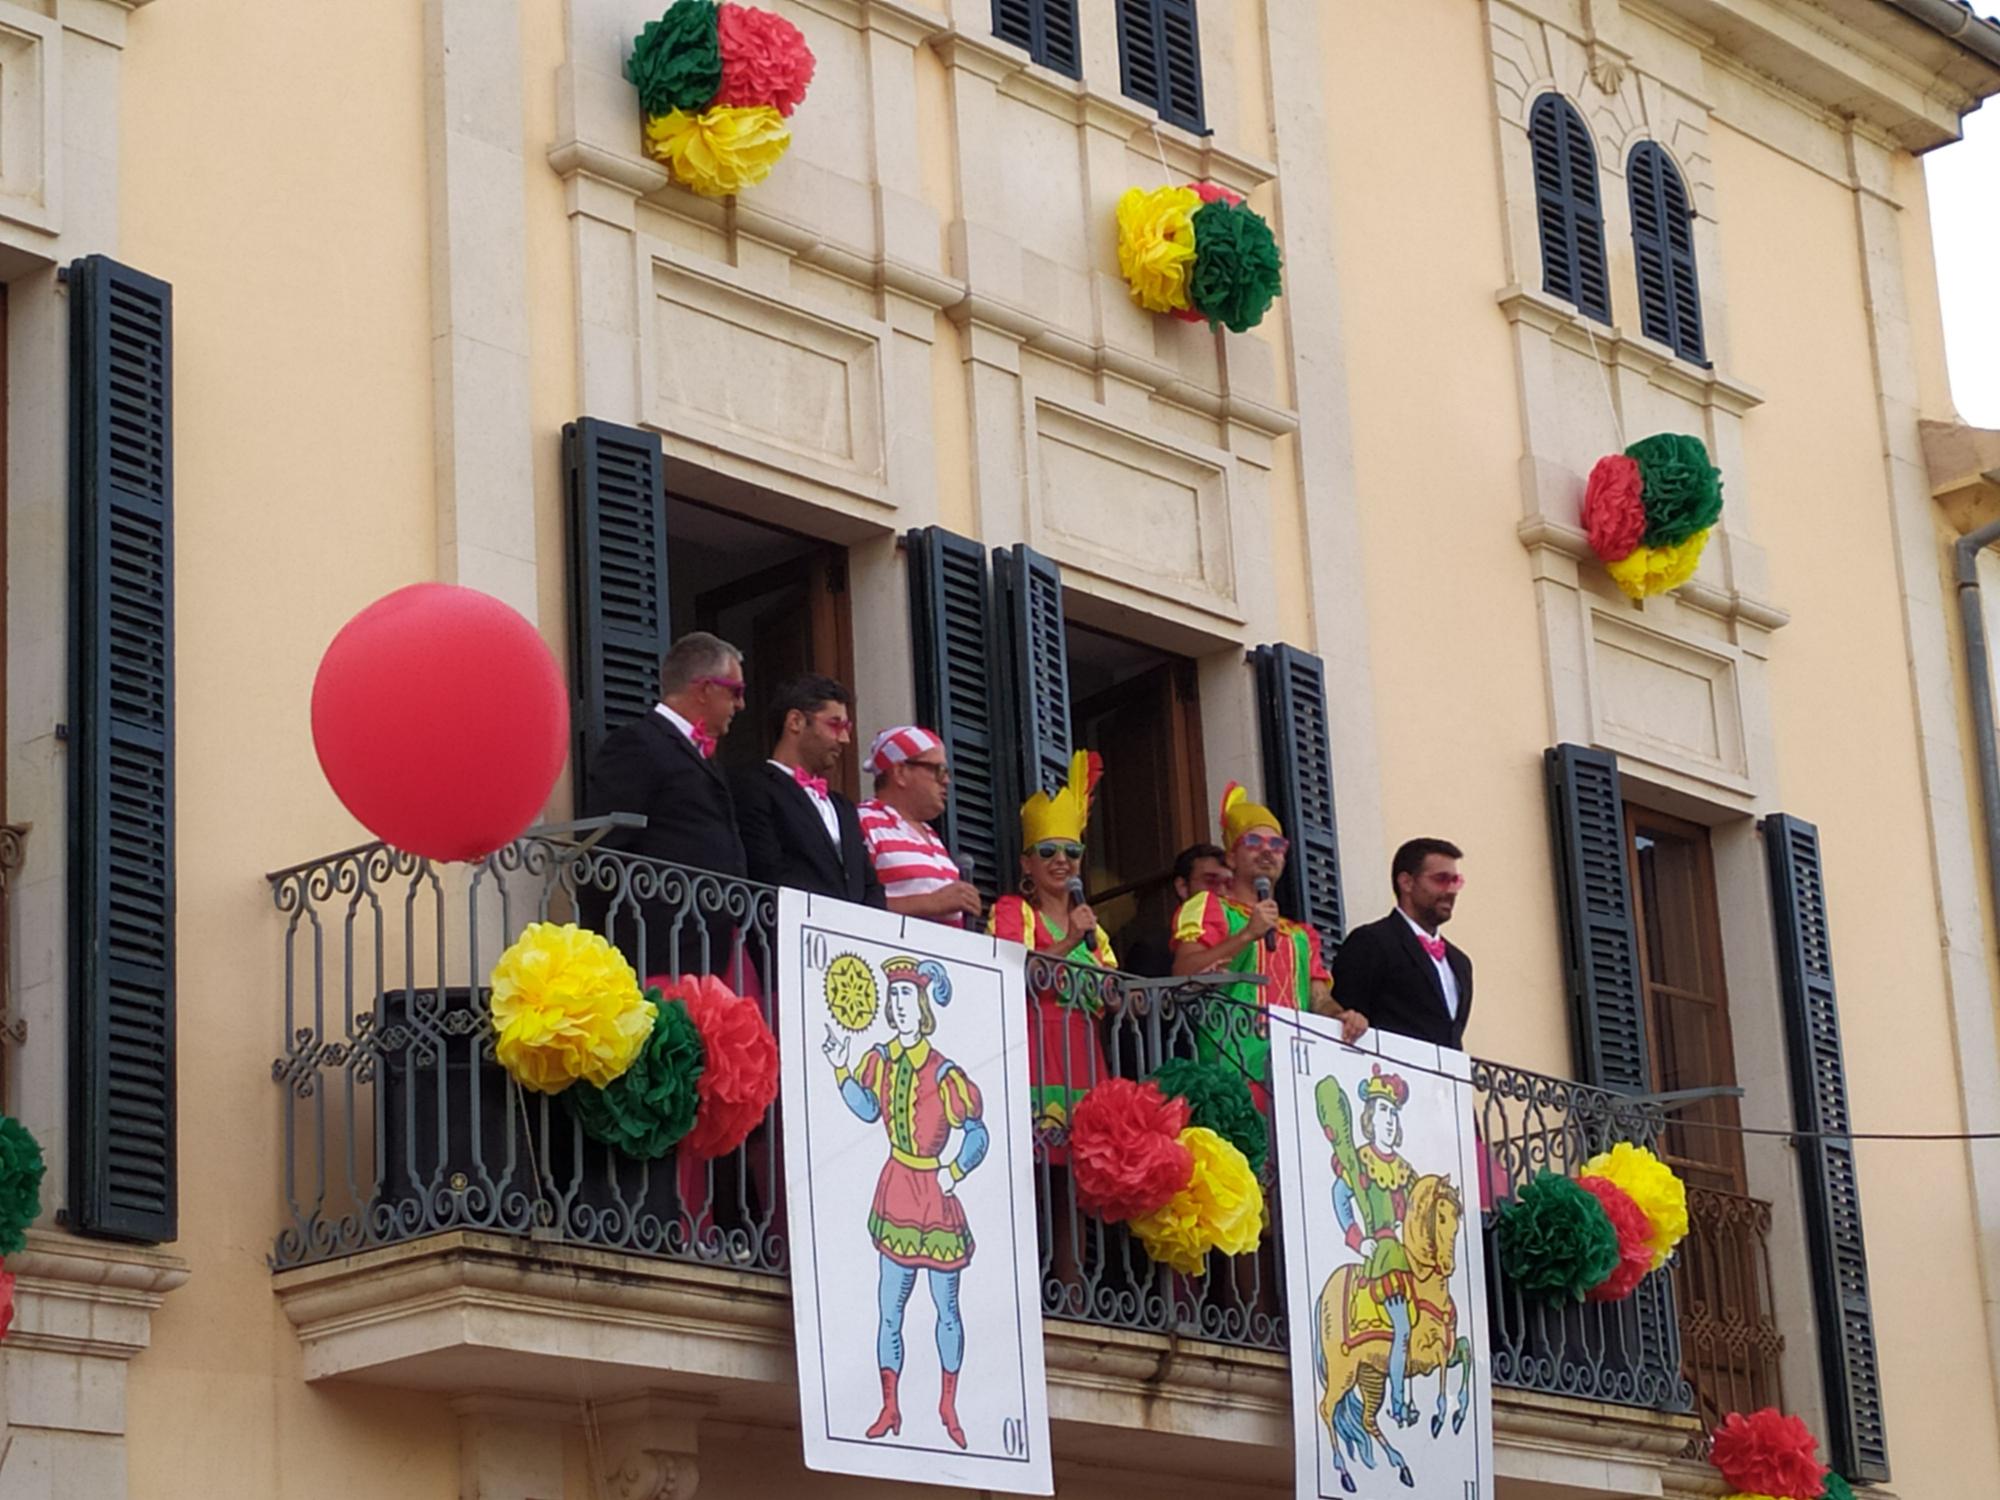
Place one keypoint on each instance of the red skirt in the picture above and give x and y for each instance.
(915, 1223)
(1065, 1062)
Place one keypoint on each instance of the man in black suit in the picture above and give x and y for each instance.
(798, 831)
(1406, 977)
(659, 765)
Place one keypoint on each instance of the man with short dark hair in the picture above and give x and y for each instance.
(1199, 867)
(797, 830)
(1399, 970)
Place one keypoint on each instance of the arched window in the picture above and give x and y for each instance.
(1663, 245)
(1568, 208)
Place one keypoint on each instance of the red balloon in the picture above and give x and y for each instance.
(441, 720)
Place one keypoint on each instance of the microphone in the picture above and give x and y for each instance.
(1263, 888)
(1075, 889)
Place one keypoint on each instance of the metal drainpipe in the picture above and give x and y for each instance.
(1979, 682)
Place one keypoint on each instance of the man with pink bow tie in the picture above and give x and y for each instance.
(1400, 969)
(797, 830)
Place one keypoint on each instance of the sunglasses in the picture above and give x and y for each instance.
(836, 724)
(1276, 843)
(937, 768)
(1445, 882)
(730, 685)
(1050, 848)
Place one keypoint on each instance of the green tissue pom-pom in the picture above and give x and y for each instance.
(1236, 264)
(1681, 488)
(20, 1183)
(1836, 1488)
(676, 62)
(1218, 1099)
(646, 1110)
(1555, 1239)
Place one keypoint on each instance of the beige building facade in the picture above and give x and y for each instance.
(411, 302)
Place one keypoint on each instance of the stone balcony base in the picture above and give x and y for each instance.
(522, 1333)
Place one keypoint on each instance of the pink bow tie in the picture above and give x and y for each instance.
(814, 784)
(704, 741)
(1434, 946)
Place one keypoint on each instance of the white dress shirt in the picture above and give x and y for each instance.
(820, 800)
(1447, 980)
(686, 729)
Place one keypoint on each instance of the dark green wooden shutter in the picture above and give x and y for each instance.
(1028, 592)
(121, 754)
(1159, 52)
(1857, 1439)
(1600, 945)
(1298, 783)
(1567, 207)
(1663, 252)
(953, 636)
(1046, 28)
(619, 626)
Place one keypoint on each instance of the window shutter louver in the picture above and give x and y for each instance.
(1567, 207)
(1663, 251)
(958, 685)
(1028, 588)
(1298, 780)
(1600, 944)
(121, 755)
(1159, 46)
(1857, 1439)
(619, 625)
(1046, 28)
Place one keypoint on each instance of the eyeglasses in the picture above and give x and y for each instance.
(730, 685)
(837, 724)
(1276, 843)
(1050, 848)
(937, 768)
(1445, 882)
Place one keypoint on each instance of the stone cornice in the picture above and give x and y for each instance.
(88, 1297)
(1703, 385)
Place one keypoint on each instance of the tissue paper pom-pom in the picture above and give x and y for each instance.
(721, 150)
(1683, 489)
(1555, 1240)
(676, 62)
(21, 1168)
(1613, 517)
(1125, 1151)
(1645, 571)
(1739, 1495)
(6, 1302)
(1635, 1240)
(1837, 1488)
(1156, 245)
(647, 1109)
(765, 60)
(1221, 1208)
(1661, 1196)
(1236, 265)
(1768, 1452)
(566, 1006)
(1218, 1099)
(739, 1075)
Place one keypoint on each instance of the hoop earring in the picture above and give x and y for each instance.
(1026, 885)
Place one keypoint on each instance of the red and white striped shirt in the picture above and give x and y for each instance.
(910, 859)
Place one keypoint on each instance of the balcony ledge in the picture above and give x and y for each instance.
(466, 1314)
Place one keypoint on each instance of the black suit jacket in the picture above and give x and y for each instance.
(1383, 972)
(787, 844)
(650, 767)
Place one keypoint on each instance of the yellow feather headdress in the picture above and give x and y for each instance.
(1240, 815)
(1063, 816)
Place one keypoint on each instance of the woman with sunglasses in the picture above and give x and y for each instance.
(1065, 1055)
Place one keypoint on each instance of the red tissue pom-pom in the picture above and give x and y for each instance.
(6, 1302)
(1125, 1149)
(1614, 515)
(1635, 1240)
(765, 59)
(739, 1071)
(1208, 192)
(1767, 1453)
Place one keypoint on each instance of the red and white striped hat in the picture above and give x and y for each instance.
(894, 746)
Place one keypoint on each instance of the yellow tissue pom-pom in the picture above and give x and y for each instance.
(1221, 1208)
(721, 150)
(1651, 1184)
(566, 1006)
(1657, 570)
(1156, 245)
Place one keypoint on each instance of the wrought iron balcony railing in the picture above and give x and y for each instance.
(397, 1123)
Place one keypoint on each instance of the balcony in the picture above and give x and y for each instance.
(444, 1231)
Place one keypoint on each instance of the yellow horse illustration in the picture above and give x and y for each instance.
(1353, 1364)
